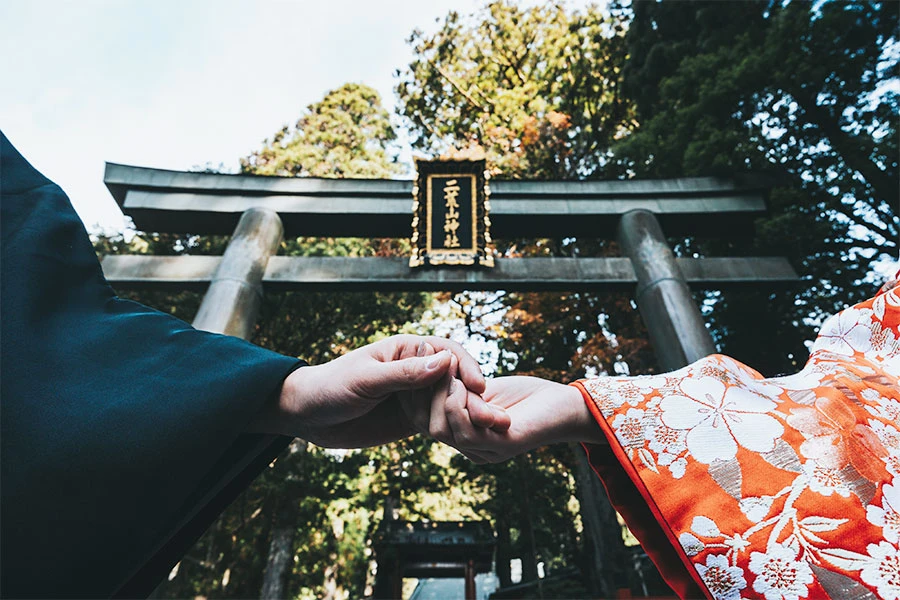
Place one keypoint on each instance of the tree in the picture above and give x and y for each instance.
(538, 88)
(798, 94)
(347, 134)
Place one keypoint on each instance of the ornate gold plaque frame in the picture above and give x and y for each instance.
(451, 208)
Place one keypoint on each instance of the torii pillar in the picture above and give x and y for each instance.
(676, 328)
(231, 304)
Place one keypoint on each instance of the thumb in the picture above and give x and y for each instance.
(411, 373)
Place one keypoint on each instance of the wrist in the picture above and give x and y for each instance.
(285, 413)
(298, 400)
(585, 428)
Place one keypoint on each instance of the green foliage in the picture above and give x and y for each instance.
(537, 88)
(529, 501)
(346, 134)
(796, 93)
(789, 94)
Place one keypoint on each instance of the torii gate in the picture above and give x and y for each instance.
(259, 211)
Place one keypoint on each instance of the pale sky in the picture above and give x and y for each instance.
(177, 84)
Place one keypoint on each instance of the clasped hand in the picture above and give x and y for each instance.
(409, 384)
(535, 412)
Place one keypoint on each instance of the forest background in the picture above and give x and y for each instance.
(802, 96)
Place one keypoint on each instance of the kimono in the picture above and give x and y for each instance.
(121, 428)
(781, 488)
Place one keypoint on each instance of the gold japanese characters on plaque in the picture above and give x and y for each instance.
(451, 223)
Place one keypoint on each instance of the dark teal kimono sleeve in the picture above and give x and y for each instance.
(120, 426)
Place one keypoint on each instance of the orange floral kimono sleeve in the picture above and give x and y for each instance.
(785, 488)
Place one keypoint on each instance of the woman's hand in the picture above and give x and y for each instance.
(540, 412)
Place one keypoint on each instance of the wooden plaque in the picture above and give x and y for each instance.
(451, 223)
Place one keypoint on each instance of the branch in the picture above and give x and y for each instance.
(517, 67)
(848, 148)
(459, 88)
(848, 211)
(506, 64)
(502, 307)
(888, 247)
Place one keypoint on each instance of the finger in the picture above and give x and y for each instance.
(395, 347)
(408, 351)
(417, 403)
(502, 420)
(438, 428)
(480, 412)
(469, 369)
(407, 374)
(464, 433)
(490, 444)
(487, 415)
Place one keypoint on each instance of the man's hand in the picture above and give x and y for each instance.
(355, 400)
(541, 412)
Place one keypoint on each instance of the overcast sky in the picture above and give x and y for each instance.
(176, 84)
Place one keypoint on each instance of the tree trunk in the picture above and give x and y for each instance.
(529, 558)
(330, 586)
(281, 540)
(527, 542)
(281, 551)
(604, 548)
(504, 552)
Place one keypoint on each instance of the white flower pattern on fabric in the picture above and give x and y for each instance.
(887, 516)
(890, 437)
(824, 480)
(719, 418)
(779, 575)
(705, 526)
(690, 543)
(885, 345)
(665, 439)
(616, 393)
(887, 408)
(885, 301)
(756, 508)
(723, 581)
(882, 570)
(630, 428)
(741, 375)
(676, 466)
(827, 430)
(627, 393)
(845, 333)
